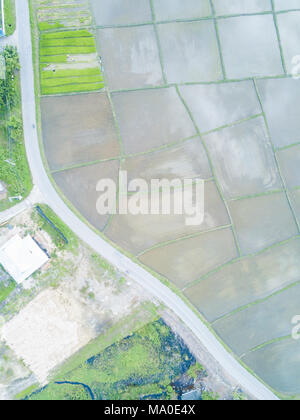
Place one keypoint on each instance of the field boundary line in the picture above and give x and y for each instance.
(276, 157)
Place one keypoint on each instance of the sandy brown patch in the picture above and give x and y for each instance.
(50, 329)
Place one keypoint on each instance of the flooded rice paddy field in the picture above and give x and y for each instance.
(199, 91)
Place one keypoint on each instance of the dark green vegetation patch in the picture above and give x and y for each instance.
(14, 169)
(10, 17)
(140, 366)
(57, 230)
(7, 285)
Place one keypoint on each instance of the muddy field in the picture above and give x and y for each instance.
(251, 279)
(137, 111)
(190, 52)
(187, 160)
(243, 35)
(276, 96)
(131, 57)
(243, 159)
(289, 163)
(278, 365)
(175, 9)
(217, 105)
(84, 130)
(138, 233)
(295, 199)
(79, 186)
(265, 321)
(121, 12)
(201, 255)
(190, 96)
(255, 218)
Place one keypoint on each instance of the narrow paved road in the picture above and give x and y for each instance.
(248, 382)
(34, 197)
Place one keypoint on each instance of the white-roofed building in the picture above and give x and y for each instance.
(22, 257)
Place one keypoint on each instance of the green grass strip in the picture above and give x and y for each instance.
(48, 59)
(6, 288)
(61, 81)
(66, 34)
(79, 87)
(50, 74)
(10, 17)
(68, 42)
(44, 26)
(66, 50)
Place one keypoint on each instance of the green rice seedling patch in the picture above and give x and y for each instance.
(68, 42)
(66, 34)
(79, 87)
(50, 74)
(48, 59)
(68, 59)
(67, 50)
(62, 81)
(44, 26)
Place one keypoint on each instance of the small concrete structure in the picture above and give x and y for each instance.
(194, 395)
(22, 257)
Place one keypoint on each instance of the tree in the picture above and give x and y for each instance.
(15, 126)
(11, 57)
(8, 84)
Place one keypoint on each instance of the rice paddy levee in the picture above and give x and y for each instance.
(213, 118)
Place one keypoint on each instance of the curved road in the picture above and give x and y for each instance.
(248, 382)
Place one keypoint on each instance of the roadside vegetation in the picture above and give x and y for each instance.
(14, 169)
(7, 285)
(52, 221)
(142, 365)
(68, 56)
(10, 17)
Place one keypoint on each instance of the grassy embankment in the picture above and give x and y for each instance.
(14, 169)
(10, 17)
(47, 227)
(7, 285)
